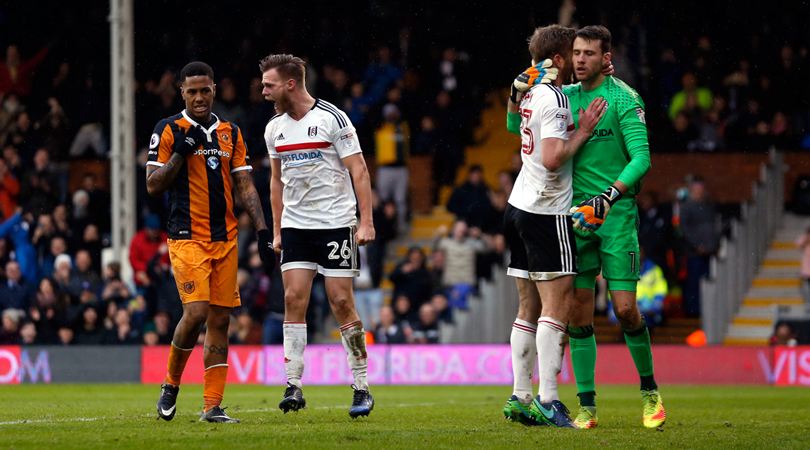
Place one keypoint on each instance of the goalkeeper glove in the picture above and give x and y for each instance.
(541, 73)
(590, 214)
(189, 142)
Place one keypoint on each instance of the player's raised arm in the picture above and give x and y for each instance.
(160, 174)
(362, 186)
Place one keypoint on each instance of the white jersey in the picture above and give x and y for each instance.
(545, 114)
(318, 190)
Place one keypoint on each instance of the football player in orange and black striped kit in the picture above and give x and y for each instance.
(194, 155)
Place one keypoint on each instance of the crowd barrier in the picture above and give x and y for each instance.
(404, 364)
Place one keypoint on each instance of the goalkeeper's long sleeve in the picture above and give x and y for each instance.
(635, 139)
(513, 122)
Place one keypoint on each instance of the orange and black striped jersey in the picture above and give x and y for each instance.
(201, 197)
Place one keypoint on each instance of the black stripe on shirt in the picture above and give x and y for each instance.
(557, 93)
(331, 109)
(179, 197)
(217, 204)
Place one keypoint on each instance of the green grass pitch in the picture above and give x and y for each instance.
(430, 417)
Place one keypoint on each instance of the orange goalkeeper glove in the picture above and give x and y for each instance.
(541, 73)
(590, 215)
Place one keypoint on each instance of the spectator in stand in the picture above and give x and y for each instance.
(427, 141)
(122, 333)
(13, 161)
(39, 187)
(426, 329)
(403, 313)
(16, 75)
(438, 260)
(381, 74)
(150, 336)
(655, 227)
(442, 307)
(163, 327)
(411, 278)
(227, 106)
(164, 286)
(9, 190)
(247, 331)
(783, 335)
(450, 152)
(393, 150)
(65, 334)
(692, 100)
(49, 306)
(388, 331)
(91, 242)
(15, 293)
(28, 334)
(368, 297)
(61, 222)
(144, 246)
(10, 330)
(98, 207)
(85, 277)
(17, 227)
(461, 250)
(89, 331)
(471, 202)
(385, 224)
(699, 227)
(63, 266)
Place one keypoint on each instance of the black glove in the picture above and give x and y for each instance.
(266, 252)
(189, 142)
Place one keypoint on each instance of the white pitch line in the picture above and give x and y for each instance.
(92, 419)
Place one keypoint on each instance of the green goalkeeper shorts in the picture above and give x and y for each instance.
(613, 249)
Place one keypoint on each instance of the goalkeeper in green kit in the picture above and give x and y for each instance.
(607, 176)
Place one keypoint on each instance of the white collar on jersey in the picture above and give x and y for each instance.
(209, 130)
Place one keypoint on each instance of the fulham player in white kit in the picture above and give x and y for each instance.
(315, 157)
(538, 229)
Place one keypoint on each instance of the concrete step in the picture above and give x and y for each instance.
(783, 254)
(778, 272)
(753, 321)
(756, 312)
(759, 302)
(760, 282)
(773, 292)
(750, 331)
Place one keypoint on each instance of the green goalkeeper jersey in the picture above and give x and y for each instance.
(618, 147)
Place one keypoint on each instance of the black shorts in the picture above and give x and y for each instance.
(542, 245)
(333, 253)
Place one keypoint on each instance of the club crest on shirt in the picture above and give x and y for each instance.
(188, 286)
(213, 162)
(226, 138)
(312, 131)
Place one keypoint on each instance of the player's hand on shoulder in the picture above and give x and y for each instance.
(190, 141)
(589, 118)
(607, 68)
(365, 234)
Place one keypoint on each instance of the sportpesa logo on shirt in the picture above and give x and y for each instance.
(212, 152)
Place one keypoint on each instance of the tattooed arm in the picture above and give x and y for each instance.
(250, 198)
(158, 179)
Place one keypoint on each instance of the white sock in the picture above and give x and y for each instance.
(524, 355)
(295, 341)
(354, 341)
(550, 350)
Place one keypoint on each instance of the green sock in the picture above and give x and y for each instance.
(638, 342)
(583, 358)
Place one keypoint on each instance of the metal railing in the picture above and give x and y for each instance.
(735, 265)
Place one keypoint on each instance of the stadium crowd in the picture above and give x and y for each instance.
(407, 95)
